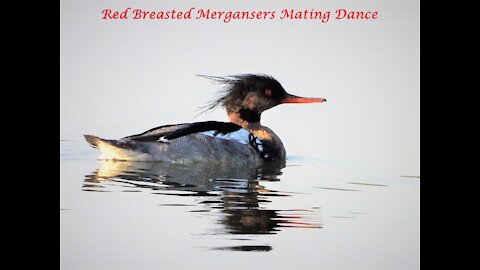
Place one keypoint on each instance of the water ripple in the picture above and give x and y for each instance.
(238, 198)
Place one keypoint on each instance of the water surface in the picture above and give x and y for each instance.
(312, 214)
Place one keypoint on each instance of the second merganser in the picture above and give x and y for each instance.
(242, 140)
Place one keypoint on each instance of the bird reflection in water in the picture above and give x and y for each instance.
(238, 192)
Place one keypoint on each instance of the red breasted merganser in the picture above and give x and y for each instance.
(242, 140)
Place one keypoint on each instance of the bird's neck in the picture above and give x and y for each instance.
(262, 132)
(249, 121)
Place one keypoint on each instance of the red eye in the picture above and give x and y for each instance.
(268, 92)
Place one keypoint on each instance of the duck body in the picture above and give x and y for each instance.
(191, 142)
(243, 140)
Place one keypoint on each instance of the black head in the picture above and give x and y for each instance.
(251, 94)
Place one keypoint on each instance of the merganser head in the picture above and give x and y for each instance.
(248, 95)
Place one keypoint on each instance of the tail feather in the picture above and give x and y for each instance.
(112, 149)
(93, 140)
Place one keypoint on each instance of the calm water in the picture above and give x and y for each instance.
(312, 214)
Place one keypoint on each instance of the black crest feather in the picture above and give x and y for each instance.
(230, 91)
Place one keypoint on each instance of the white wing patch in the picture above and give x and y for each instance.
(241, 135)
(163, 139)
